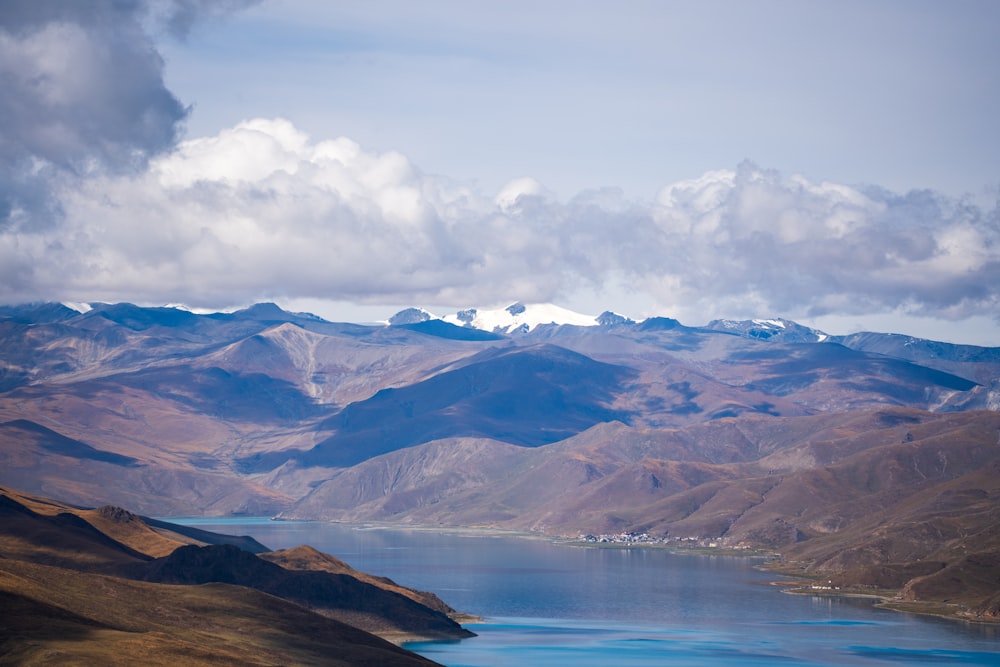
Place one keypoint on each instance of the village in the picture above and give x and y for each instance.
(643, 539)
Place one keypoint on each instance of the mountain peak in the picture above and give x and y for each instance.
(776, 328)
(516, 309)
(612, 319)
(519, 317)
(411, 316)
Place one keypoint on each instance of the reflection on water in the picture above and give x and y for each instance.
(548, 604)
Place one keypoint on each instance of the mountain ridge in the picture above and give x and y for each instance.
(723, 434)
(61, 562)
(506, 320)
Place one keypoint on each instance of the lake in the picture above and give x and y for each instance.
(547, 604)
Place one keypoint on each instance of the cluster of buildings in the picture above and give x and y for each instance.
(646, 538)
(624, 538)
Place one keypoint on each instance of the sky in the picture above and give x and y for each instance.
(834, 163)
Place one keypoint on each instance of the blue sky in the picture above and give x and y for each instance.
(635, 95)
(833, 163)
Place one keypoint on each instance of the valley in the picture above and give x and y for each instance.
(870, 458)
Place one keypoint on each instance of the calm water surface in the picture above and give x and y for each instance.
(548, 605)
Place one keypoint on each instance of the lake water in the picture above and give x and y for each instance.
(548, 604)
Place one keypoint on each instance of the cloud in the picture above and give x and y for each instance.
(262, 210)
(83, 92)
(100, 201)
(180, 17)
(788, 245)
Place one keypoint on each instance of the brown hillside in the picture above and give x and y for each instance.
(61, 603)
(307, 558)
(339, 596)
(147, 536)
(55, 616)
(867, 498)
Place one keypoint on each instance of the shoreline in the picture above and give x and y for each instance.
(479, 531)
(888, 599)
(773, 561)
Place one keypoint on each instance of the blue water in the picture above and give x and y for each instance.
(547, 605)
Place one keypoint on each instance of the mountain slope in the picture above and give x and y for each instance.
(758, 433)
(336, 595)
(70, 590)
(60, 616)
(891, 491)
(306, 558)
(526, 396)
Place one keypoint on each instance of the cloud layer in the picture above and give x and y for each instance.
(264, 211)
(99, 201)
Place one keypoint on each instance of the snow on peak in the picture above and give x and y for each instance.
(609, 318)
(411, 316)
(519, 317)
(778, 328)
(197, 311)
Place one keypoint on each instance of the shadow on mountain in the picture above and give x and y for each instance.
(791, 368)
(57, 443)
(253, 397)
(63, 540)
(340, 596)
(72, 594)
(244, 542)
(523, 396)
(442, 329)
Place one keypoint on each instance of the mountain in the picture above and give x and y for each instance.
(868, 499)
(306, 558)
(518, 318)
(758, 433)
(342, 596)
(529, 396)
(76, 588)
(776, 329)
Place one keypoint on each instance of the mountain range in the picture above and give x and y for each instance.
(871, 457)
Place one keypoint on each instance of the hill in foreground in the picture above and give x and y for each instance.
(72, 593)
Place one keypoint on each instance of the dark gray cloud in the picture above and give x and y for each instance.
(83, 92)
(181, 16)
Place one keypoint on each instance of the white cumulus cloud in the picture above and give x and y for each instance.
(262, 210)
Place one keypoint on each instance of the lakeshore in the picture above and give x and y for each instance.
(810, 584)
(818, 584)
(547, 605)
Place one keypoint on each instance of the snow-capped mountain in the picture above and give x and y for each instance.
(519, 318)
(515, 318)
(411, 316)
(777, 328)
